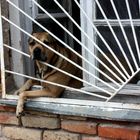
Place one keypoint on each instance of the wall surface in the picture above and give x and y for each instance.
(43, 126)
(6, 31)
(6, 40)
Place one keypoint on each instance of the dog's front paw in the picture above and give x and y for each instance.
(17, 92)
(19, 111)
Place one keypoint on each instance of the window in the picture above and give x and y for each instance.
(42, 18)
(115, 26)
(104, 32)
(53, 9)
(122, 11)
(57, 13)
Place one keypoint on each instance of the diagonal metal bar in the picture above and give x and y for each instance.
(51, 66)
(118, 42)
(91, 40)
(133, 30)
(126, 74)
(69, 46)
(100, 61)
(124, 34)
(98, 48)
(58, 53)
(106, 44)
(123, 85)
(56, 84)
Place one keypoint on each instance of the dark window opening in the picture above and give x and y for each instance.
(121, 8)
(52, 8)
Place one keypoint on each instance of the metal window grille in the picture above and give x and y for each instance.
(120, 74)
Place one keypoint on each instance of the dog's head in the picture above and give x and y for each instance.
(37, 50)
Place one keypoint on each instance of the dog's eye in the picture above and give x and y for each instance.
(46, 42)
(32, 43)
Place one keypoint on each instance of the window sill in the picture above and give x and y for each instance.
(83, 108)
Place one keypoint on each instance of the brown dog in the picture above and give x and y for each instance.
(39, 53)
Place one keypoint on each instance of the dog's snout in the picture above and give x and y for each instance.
(37, 50)
(37, 53)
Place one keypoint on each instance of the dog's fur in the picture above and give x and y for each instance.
(39, 53)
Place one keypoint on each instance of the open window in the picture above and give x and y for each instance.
(103, 32)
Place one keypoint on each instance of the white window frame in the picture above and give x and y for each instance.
(37, 15)
(89, 7)
(17, 39)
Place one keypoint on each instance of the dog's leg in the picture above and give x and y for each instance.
(32, 94)
(29, 83)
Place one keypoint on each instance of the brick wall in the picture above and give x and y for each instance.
(43, 126)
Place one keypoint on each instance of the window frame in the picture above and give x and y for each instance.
(95, 109)
(89, 8)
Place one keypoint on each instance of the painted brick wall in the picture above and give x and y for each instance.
(44, 126)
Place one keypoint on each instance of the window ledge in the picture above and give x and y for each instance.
(92, 109)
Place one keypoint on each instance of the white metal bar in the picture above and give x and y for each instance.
(98, 48)
(124, 34)
(16, 50)
(56, 84)
(133, 30)
(53, 67)
(75, 77)
(2, 59)
(91, 40)
(71, 48)
(79, 90)
(120, 46)
(94, 27)
(57, 52)
(84, 48)
(123, 85)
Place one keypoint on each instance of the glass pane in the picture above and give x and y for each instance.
(51, 6)
(113, 45)
(121, 8)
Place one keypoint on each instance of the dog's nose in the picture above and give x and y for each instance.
(37, 54)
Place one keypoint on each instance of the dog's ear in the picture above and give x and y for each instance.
(30, 39)
(50, 39)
